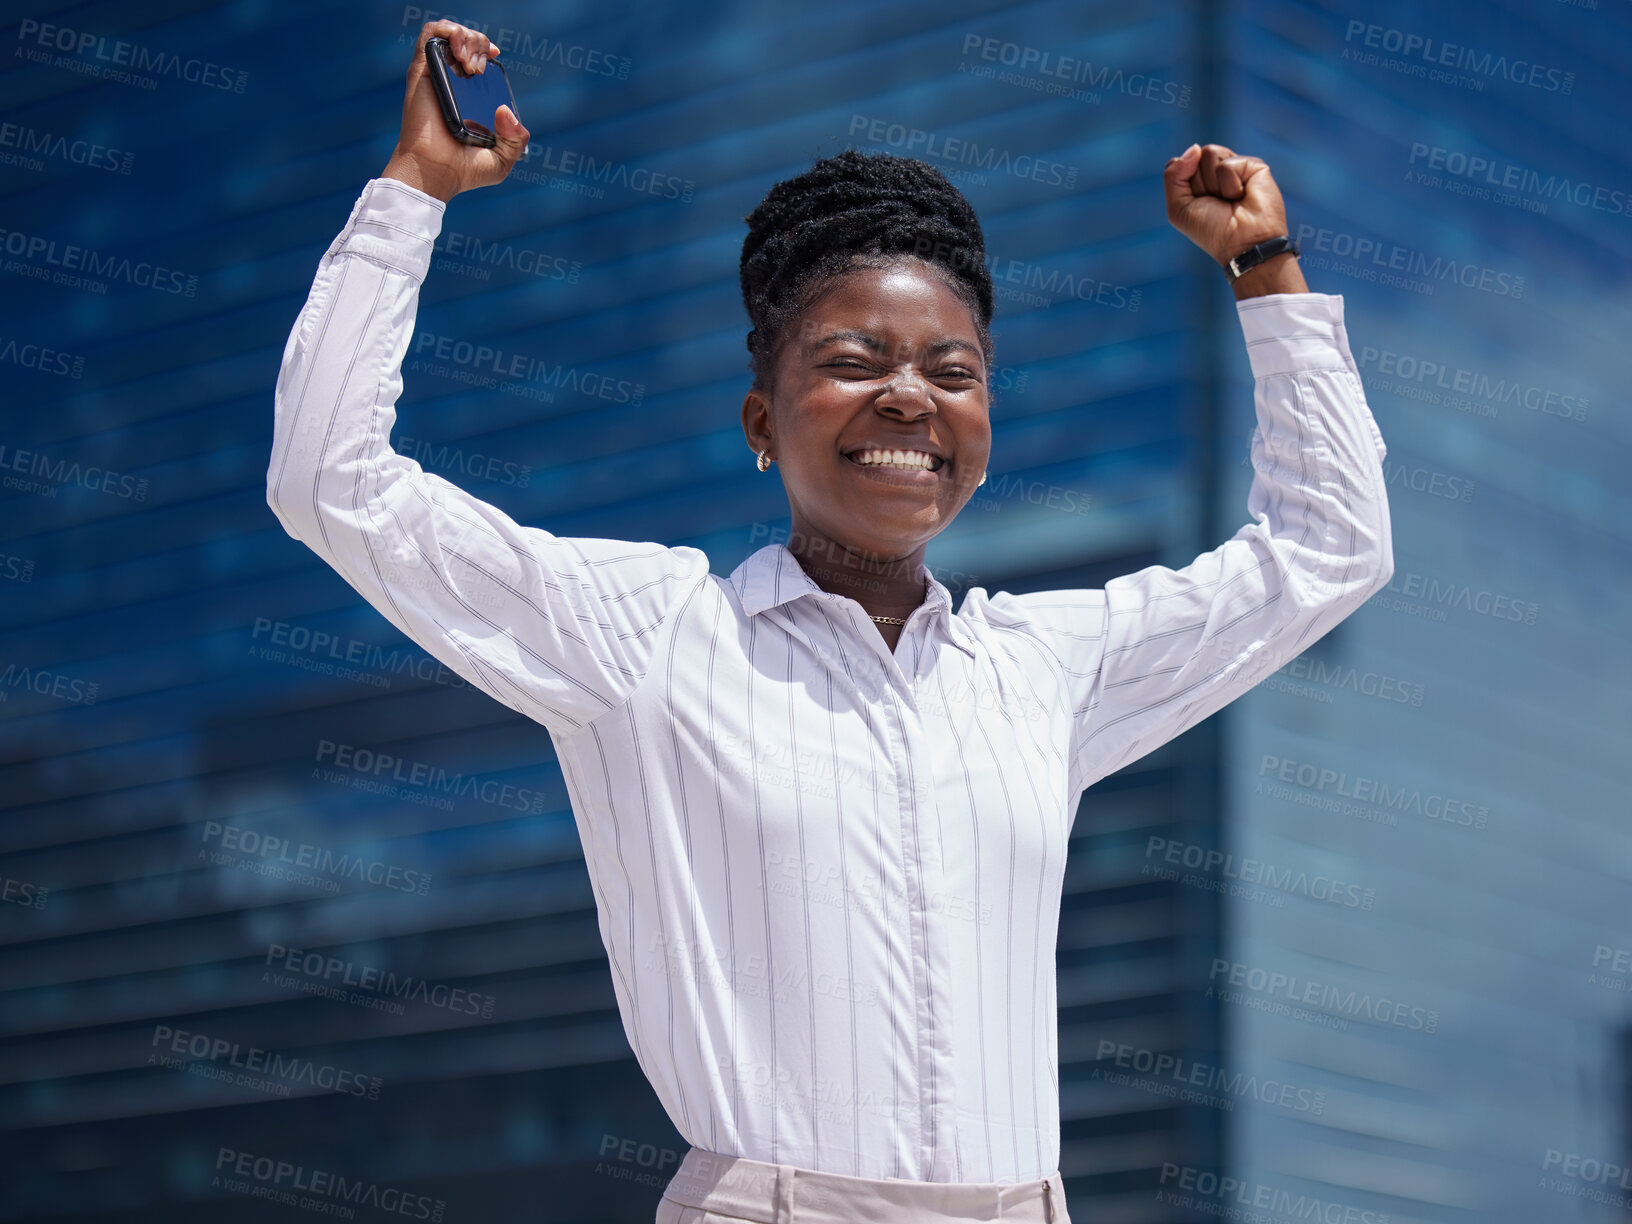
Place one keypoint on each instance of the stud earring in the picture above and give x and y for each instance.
(982, 480)
(764, 462)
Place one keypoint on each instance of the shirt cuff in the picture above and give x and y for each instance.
(1289, 332)
(393, 224)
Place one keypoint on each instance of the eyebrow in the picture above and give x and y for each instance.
(876, 345)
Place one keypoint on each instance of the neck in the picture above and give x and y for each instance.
(884, 586)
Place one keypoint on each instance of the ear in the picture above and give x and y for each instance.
(756, 422)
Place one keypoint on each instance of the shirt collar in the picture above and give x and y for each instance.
(772, 576)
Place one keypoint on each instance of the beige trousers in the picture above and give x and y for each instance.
(713, 1189)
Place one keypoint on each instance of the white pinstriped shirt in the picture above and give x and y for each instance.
(827, 876)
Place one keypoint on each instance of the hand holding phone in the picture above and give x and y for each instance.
(428, 154)
(469, 101)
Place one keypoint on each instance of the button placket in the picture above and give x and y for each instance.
(919, 820)
(921, 865)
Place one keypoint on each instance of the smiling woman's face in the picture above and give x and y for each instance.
(887, 359)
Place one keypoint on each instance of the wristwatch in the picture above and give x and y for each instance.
(1253, 256)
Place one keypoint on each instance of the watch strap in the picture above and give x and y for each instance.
(1253, 256)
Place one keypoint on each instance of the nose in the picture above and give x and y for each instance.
(907, 397)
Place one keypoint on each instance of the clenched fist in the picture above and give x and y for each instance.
(1225, 203)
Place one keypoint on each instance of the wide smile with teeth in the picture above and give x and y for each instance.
(905, 460)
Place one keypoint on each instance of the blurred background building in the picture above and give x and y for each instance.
(1357, 947)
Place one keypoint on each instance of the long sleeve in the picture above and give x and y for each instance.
(1155, 652)
(560, 629)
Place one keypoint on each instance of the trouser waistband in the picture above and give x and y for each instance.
(787, 1194)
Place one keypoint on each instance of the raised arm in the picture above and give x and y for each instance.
(559, 629)
(1155, 652)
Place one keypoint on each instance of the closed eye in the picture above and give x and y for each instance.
(856, 365)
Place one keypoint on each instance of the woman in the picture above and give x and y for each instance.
(825, 818)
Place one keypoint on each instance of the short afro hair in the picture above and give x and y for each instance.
(848, 211)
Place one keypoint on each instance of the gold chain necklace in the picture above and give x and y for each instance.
(886, 620)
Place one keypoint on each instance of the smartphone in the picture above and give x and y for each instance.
(468, 102)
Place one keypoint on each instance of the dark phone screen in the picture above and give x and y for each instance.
(477, 97)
